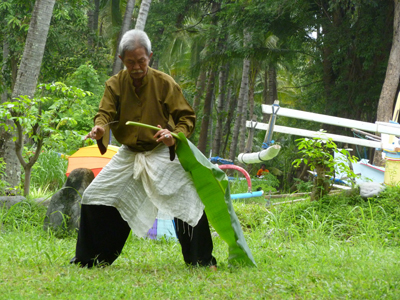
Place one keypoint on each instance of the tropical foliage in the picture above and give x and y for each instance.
(229, 57)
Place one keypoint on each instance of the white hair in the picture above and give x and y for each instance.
(133, 39)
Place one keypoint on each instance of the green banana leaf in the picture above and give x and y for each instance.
(213, 188)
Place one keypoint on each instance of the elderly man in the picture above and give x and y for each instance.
(143, 177)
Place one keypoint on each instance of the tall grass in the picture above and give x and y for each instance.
(49, 171)
(342, 247)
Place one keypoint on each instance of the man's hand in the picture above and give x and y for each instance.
(96, 133)
(164, 135)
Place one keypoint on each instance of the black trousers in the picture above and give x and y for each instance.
(196, 242)
(103, 233)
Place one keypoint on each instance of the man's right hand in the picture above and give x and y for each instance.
(96, 133)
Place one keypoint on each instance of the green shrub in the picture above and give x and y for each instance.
(22, 216)
(49, 171)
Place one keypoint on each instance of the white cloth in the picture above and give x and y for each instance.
(139, 184)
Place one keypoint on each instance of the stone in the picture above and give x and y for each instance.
(43, 201)
(64, 209)
(8, 201)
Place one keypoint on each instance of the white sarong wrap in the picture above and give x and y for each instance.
(139, 184)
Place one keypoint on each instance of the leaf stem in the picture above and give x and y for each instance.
(150, 127)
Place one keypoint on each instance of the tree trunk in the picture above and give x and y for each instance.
(232, 100)
(240, 109)
(272, 85)
(14, 69)
(253, 117)
(270, 93)
(244, 117)
(321, 186)
(221, 110)
(391, 83)
(6, 53)
(207, 113)
(200, 86)
(90, 41)
(143, 13)
(93, 22)
(27, 77)
(19, 145)
(126, 24)
(29, 68)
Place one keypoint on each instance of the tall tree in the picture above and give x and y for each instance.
(270, 92)
(252, 116)
(391, 83)
(242, 101)
(5, 59)
(232, 103)
(27, 77)
(221, 109)
(208, 102)
(207, 112)
(93, 21)
(143, 13)
(392, 79)
(200, 87)
(126, 24)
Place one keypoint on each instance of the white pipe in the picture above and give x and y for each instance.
(264, 155)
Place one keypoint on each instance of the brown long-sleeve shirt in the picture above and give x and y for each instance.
(159, 101)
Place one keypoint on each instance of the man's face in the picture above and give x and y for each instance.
(137, 62)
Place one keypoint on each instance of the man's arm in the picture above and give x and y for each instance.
(105, 115)
(182, 113)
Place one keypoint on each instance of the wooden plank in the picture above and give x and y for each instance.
(379, 127)
(312, 134)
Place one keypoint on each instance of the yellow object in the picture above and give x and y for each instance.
(90, 158)
(392, 172)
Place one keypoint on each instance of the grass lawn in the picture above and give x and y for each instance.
(338, 248)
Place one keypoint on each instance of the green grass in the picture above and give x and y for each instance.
(337, 248)
(49, 171)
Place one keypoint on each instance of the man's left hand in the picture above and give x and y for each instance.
(164, 135)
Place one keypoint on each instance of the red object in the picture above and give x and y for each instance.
(240, 169)
(90, 158)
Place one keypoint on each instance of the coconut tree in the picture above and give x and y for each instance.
(143, 13)
(222, 109)
(126, 24)
(208, 103)
(27, 77)
(93, 21)
(242, 101)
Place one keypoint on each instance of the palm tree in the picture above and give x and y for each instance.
(242, 101)
(222, 107)
(93, 22)
(126, 23)
(27, 77)
(143, 13)
(208, 103)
